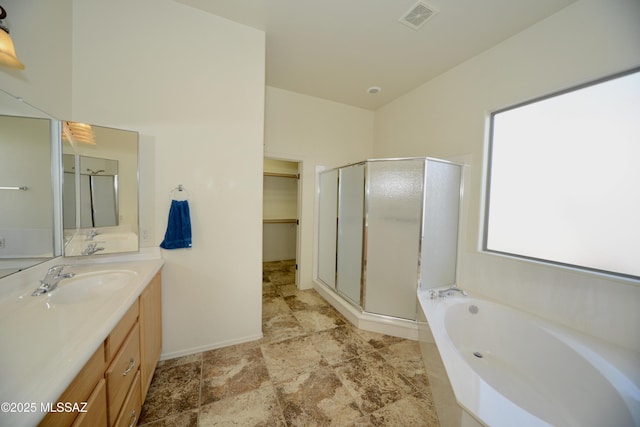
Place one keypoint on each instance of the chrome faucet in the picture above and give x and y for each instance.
(450, 291)
(91, 234)
(91, 249)
(446, 292)
(51, 279)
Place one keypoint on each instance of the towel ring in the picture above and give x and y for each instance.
(180, 193)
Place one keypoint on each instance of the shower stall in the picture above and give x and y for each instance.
(387, 227)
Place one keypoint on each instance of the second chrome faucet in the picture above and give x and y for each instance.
(92, 248)
(441, 293)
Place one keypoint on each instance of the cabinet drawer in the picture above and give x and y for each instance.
(96, 410)
(122, 371)
(132, 406)
(119, 333)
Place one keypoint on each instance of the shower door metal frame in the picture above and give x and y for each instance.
(365, 234)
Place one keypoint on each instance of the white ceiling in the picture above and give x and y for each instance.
(337, 49)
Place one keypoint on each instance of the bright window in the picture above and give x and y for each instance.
(564, 178)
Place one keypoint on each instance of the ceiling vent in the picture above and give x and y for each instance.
(418, 15)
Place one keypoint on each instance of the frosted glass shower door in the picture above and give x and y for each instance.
(327, 226)
(395, 191)
(441, 216)
(350, 232)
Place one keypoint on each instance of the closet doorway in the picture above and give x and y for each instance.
(280, 213)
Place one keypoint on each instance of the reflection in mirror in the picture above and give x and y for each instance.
(27, 205)
(98, 201)
(100, 190)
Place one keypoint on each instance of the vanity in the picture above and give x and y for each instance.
(84, 354)
(82, 351)
(115, 380)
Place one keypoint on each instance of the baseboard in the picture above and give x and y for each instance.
(200, 349)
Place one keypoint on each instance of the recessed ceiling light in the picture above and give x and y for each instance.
(373, 90)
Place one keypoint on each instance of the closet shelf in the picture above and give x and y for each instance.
(281, 175)
(280, 221)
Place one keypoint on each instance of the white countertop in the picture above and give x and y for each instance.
(44, 345)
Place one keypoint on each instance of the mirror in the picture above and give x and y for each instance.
(100, 190)
(29, 164)
(103, 166)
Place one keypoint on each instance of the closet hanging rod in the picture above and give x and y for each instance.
(22, 188)
(280, 221)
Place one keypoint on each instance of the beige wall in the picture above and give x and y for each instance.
(447, 118)
(317, 133)
(192, 84)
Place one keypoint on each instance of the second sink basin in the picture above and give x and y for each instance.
(87, 286)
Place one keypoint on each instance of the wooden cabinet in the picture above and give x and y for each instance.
(150, 332)
(111, 387)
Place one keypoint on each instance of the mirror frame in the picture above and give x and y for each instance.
(76, 242)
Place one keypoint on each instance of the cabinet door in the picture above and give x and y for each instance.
(79, 390)
(96, 410)
(150, 331)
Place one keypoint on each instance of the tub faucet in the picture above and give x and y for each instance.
(51, 279)
(448, 292)
(91, 249)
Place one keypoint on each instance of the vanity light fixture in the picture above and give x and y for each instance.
(8, 56)
(78, 132)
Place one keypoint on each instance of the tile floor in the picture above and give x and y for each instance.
(312, 368)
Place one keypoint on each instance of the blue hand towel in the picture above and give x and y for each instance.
(178, 233)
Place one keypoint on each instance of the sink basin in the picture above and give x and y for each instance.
(88, 286)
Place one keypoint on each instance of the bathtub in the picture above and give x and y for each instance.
(508, 368)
